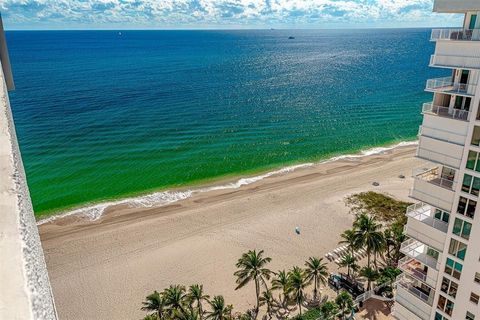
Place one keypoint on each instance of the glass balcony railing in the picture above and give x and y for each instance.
(455, 34)
(412, 306)
(408, 265)
(433, 176)
(448, 86)
(421, 252)
(454, 61)
(425, 213)
(446, 112)
(410, 285)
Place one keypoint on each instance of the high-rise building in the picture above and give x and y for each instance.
(441, 278)
(25, 291)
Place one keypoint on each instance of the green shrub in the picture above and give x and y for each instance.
(312, 314)
(382, 206)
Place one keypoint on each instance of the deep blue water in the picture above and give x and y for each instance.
(101, 115)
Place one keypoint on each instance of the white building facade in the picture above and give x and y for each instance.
(441, 278)
(25, 291)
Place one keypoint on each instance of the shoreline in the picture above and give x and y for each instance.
(129, 252)
(163, 197)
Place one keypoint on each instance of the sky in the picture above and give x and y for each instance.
(220, 14)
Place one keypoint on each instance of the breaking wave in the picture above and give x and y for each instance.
(95, 212)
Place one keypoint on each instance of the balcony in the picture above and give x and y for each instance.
(444, 129)
(430, 186)
(423, 226)
(424, 294)
(439, 151)
(425, 213)
(446, 85)
(445, 112)
(455, 61)
(435, 177)
(416, 269)
(401, 312)
(455, 34)
(419, 251)
(435, 188)
(408, 301)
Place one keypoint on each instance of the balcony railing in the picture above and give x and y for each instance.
(446, 112)
(448, 86)
(413, 307)
(424, 213)
(407, 265)
(433, 176)
(455, 34)
(409, 285)
(418, 250)
(455, 61)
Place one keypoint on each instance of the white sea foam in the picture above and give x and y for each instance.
(94, 212)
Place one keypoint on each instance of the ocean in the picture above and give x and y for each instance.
(105, 115)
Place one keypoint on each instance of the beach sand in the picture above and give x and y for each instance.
(104, 269)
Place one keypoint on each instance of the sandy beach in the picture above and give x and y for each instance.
(104, 269)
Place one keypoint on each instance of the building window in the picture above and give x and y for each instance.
(471, 184)
(476, 136)
(438, 316)
(466, 207)
(453, 268)
(442, 215)
(477, 277)
(449, 287)
(462, 228)
(473, 162)
(457, 249)
(470, 316)
(445, 305)
(474, 297)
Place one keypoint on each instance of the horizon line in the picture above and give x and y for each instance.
(221, 29)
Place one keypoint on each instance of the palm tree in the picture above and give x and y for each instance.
(367, 232)
(394, 236)
(349, 262)
(388, 275)
(196, 294)
(252, 267)
(369, 274)
(249, 315)
(351, 240)
(316, 271)
(220, 311)
(175, 299)
(298, 282)
(188, 315)
(267, 299)
(329, 310)
(281, 282)
(344, 302)
(152, 316)
(156, 303)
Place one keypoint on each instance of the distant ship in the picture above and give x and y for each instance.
(291, 37)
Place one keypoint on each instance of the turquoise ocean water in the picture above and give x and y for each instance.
(102, 115)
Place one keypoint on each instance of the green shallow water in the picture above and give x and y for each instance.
(152, 110)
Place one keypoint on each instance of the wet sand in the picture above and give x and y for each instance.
(104, 269)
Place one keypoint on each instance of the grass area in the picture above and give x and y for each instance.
(313, 314)
(384, 207)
